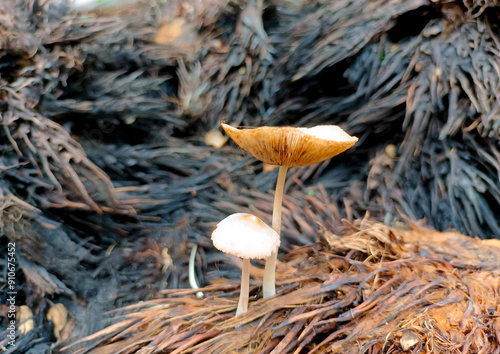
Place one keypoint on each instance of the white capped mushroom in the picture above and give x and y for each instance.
(245, 236)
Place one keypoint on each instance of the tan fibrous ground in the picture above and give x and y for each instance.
(376, 289)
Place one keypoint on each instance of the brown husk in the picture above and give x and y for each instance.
(373, 289)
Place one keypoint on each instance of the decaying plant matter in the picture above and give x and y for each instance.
(105, 180)
(373, 289)
(421, 75)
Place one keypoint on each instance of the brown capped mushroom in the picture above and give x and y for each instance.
(292, 147)
(288, 147)
(245, 236)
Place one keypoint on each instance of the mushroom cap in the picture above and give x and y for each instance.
(292, 147)
(245, 236)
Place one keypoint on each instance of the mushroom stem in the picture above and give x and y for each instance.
(191, 271)
(245, 288)
(269, 287)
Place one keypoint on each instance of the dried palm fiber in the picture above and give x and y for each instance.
(178, 63)
(374, 289)
(228, 82)
(42, 165)
(166, 210)
(420, 75)
(164, 86)
(57, 206)
(96, 35)
(122, 86)
(59, 70)
(46, 179)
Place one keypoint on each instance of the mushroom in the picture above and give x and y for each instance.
(25, 319)
(288, 147)
(58, 314)
(245, 236)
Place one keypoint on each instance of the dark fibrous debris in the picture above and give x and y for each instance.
(435, 88)
(107, 184)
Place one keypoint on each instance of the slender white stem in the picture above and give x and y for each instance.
(269, 286)
(191, 271)
(245, 288)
